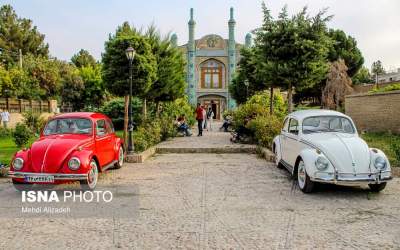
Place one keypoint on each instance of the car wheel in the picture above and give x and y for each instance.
(377, 187)
(277, 162)
(120, 161)
(20, 186)
(303, 180)
(92, 177)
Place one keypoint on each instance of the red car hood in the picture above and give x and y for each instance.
(49, 153)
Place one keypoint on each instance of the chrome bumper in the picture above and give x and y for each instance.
(349, 179)
(57, 176)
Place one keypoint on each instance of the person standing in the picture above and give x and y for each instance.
(5, 118)
(204, 117)
(199, 118)
(210, 117)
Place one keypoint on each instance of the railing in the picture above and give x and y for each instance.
(21, 105)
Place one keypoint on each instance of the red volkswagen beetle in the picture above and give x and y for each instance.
(71, 147)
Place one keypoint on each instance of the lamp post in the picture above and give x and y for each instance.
(130, 54)
(246, 83)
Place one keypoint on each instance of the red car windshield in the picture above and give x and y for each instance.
(68, 126)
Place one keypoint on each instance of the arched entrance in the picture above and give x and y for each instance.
(216, 102)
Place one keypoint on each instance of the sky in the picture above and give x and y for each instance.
(70, 25)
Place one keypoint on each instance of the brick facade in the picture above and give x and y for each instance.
(375, 112)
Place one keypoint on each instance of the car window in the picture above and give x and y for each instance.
(68, 126)
(110, 127)
(319, 124)
(285, 125)
(101, 127)
(293, 126)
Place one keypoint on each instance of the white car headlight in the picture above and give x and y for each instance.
(380, 163)
(18, 163)
(321, 163)
(74, 163)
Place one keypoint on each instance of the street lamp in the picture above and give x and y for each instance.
(130, 54)
(246, 83)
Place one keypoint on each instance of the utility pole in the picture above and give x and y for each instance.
(20, 58)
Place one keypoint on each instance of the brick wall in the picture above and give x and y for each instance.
(375, 112)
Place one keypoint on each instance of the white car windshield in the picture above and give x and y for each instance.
(68, 126)
(317, 124)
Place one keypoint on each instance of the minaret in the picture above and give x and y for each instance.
(191, 48)
(174, 40)
(232, 55)
(247, 42)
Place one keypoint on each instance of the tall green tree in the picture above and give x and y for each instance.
(19, 34)
(72, 86)
(170, 81)
(294, 49)
(83, 58)
(116, 66)
(94, 94)
(5, 80)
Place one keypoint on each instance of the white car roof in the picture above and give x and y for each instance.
(301, 114)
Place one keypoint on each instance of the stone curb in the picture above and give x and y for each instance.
(140, 157)
(267, 154)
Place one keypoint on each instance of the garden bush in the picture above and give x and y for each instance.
(115, 109)
(395, 146)
(262, 126)
(391, 87)
(21, 135)
(34, 121)
(5, 132)
(265, 128)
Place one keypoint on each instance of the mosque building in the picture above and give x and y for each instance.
(211, 65)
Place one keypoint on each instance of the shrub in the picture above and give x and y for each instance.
(5, 132)
(391, 87)
(395, 146)
(21, 135)
(178, 107)
(115, 109)
(147, 135)
(33, 121)
(265, 128)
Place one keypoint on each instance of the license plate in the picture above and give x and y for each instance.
(43, 179)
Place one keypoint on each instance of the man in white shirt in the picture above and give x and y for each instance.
(5, 117)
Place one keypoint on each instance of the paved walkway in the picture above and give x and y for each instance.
(212, 201)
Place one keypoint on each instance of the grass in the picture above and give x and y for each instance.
(8, 149)
(383, 142)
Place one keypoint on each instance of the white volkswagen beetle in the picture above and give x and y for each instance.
(324, 146)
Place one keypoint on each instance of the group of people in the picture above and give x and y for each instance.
(204, 118)
(5, 117)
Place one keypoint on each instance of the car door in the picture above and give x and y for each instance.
(104, 145)
(111, 131)
(291, 143)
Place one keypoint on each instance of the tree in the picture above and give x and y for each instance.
(5, 81)
(170, 81)
(94, 93)
(19, 34)
(362, 76)
(345, 47)
(116, 66)
(338, 85)
(83, 58)
(377, 68)
(294, 49)
(72, 86)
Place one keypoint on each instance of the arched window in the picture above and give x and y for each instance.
(212, 74)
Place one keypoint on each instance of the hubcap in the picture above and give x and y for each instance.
(93, 175)
(121, 157)
(301, 174)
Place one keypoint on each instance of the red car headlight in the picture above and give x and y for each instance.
(18, 163)
(74, 163)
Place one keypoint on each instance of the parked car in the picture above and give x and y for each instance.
(324, 146)
(71, 147)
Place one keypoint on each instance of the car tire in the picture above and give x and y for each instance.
(277, 162)
(303, 180)
(377, 187)
(21, 186)
(92, 177)
(121, 158)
